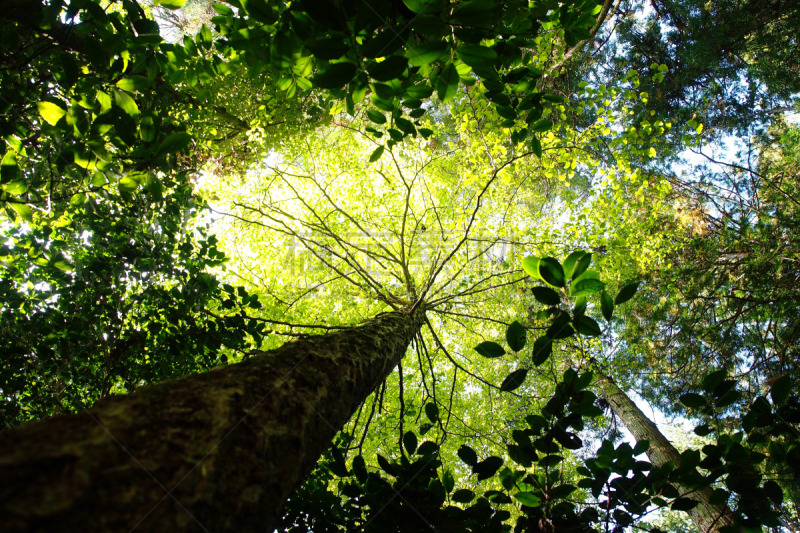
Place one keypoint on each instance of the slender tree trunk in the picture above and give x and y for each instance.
(707, 517)
(219, 451)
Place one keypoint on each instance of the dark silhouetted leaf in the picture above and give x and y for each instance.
(514, 380)
(490, 349)
(546, 296)
(626, 293)
(550, 270)
(516, 335)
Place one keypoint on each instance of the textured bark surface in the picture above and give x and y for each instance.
(707, 517)
(219, 451)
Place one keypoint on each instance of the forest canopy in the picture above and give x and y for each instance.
(506, 265)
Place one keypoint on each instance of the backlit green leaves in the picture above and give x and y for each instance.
(480, 58)
(426, 53)
(376, 154)
(135, 83)
(530, 265)
(126, 103)
(447, 84)
(50, 112)
(175, 142)
(528, 498)
(170, 4)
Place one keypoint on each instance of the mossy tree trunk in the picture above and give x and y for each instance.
(707, 517)
(219, 451)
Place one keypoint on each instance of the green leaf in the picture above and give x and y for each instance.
(376, 116)
(135, 83)
(390, 68)
(516, 335)
(468, 455)
(426, 53)
(713, 380)
(222, 9)
(780, 389)
(476, 56)
(587, 326)
(531, 266)
(448, 482)
(419, 90)
(447, 84)
(626, 293)
(126, 103)
(606, 305)
(9, 169)
(463, 496)
(410, 442)
(777, 451)
(585, 287)
(562, 491)
(542, 348)
(693, 400)
(536, 146)
(474, 12)
(174, 143)
(51, 113)
(127, 184)
(546, 296)
(570, 262)
(170, 4)
(541, 125)
(514, 380)
(581, 266)
(550, 270)
(490, 349)
(528, 498)
(16, 187)
(335, 76)
(24, 211)
(432, 412)
(376, 154)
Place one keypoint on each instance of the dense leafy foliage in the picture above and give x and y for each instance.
(173, 200)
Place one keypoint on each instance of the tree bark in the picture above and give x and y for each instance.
(707, 517)
(219, 451)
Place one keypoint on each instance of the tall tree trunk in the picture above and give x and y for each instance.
(219, 451)
(707, 517)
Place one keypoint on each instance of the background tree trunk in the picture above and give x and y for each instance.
(707, 517)
(219, 451)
